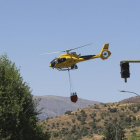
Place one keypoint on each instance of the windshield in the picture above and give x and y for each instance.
(53, 60)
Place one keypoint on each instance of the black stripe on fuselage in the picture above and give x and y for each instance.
(86, 56)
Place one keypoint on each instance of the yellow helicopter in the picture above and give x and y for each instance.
(69, 60)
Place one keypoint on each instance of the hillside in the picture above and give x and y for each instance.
(135, 99)
(57, 105)
(88, 123)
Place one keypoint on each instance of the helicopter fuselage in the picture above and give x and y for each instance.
(68, 60)
(71, 59)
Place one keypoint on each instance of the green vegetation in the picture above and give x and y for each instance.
(134, 137)
(18, 113)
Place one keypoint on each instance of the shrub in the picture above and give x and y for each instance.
(73, 120)
(68, 112)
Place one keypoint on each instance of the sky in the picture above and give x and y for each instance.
(28, 28)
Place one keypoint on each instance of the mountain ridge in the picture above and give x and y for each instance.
(57, 105)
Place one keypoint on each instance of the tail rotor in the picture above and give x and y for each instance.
(105, 53)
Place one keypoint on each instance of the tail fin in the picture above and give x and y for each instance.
(105, 53)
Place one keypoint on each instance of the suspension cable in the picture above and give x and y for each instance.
(69, 81)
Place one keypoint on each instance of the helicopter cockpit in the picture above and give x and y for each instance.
(54, 61)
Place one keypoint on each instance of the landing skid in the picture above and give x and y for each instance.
(69, 68)
(65, 69)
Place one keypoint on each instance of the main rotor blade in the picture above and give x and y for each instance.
(66, 50)
(80, 46)
(50, 53)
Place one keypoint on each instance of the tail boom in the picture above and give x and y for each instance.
(104, 54)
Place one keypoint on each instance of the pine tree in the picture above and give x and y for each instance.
(18, 113)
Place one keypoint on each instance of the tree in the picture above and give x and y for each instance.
(121, 133)
(113, 110)
(110, 132)
(18, 113)
(68, 112)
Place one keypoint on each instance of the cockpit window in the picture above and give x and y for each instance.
(53, 60)
(60, 60)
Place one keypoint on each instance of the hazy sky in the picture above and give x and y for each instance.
(28, 28)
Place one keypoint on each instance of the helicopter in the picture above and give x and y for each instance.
(69, 60)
